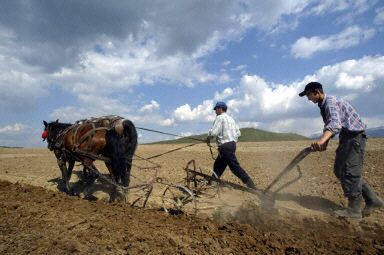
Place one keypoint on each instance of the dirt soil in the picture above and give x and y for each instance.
(37, 217)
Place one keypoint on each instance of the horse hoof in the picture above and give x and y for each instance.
(71, 192)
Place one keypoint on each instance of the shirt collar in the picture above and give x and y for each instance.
(323, 102)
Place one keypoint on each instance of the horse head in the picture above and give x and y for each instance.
(52, 131)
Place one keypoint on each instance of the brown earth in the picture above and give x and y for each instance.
(35, 217)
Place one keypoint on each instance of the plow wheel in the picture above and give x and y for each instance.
(176, 199)
(202, 183)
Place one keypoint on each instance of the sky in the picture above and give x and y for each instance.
(164, 64)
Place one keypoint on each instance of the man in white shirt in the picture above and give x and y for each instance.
(227, 133)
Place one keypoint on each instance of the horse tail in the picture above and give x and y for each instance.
(130, 133)
(124, 148)
(121, 147)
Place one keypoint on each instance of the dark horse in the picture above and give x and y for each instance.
(109, 138)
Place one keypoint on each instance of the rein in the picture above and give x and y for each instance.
(180, 136)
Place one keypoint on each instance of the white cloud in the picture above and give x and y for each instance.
(20, 86)
(12, 129)
(92, 68)
(240, 68)
(356, 6)
(249, 124)
(379, 18)
(186, 133)
(354, 82)
(202, 112)
(135, 51)
(223, 95)
(364, 74)
(299, 125)
(262, 98)
(143, 49)
(258, 103)
(101, 73)
(271, 14)
(153, 106)
(167, 122)
(226, 63)
(306, 47)
(90, 106)
(376, 121)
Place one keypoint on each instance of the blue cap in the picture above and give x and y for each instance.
(221, 105)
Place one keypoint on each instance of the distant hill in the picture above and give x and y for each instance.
(247, 135)
(11, 147)
(371, 132)
(375, 132)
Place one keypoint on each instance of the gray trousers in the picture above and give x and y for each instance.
(348, 166)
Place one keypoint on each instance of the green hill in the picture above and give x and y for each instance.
(247, 135)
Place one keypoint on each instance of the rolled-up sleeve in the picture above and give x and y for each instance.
(332, 113)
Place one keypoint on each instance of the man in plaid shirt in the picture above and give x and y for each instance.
(341, 118)
(227, 133)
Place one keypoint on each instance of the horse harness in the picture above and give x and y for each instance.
(101, 123)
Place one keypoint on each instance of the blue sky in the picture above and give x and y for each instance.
(164, 65)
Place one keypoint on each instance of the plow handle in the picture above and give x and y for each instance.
(299, 157)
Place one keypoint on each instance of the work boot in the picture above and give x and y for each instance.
(250, 184)
(372, 201)
(378, 203)
(353, 210)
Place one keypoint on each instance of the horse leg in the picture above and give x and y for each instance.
(71, 164)
(64, 173)
(126, 174)
(119, 192)
(109, 167)
(91, 176)
(85, 172)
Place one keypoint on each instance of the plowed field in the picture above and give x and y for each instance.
(36, 217)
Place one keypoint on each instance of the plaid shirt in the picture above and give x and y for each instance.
(338, 114)
(224, 129)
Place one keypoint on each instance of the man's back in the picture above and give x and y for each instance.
(225, 129)
(339, 113)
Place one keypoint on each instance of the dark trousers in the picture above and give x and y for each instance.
(226, 158)
(348, 166)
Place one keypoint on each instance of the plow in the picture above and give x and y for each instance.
(205, 185)
(199, 187)
(189, 194)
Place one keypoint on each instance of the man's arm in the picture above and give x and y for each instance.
(333, 121)
(217, 126)
(322, 143)
(332, 125)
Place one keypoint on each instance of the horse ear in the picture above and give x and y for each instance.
(45, 123)
(57, 121)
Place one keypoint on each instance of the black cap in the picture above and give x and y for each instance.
(310, 87)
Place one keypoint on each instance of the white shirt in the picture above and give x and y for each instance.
(224, 129)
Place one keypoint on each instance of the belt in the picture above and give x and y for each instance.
(347, 132)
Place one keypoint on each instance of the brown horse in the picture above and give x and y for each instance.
(110, 138)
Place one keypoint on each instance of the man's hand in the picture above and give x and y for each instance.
(319, 145)
(322, 143)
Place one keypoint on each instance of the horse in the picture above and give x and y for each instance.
(112, 139)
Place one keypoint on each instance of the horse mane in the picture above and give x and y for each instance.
(59, 125)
